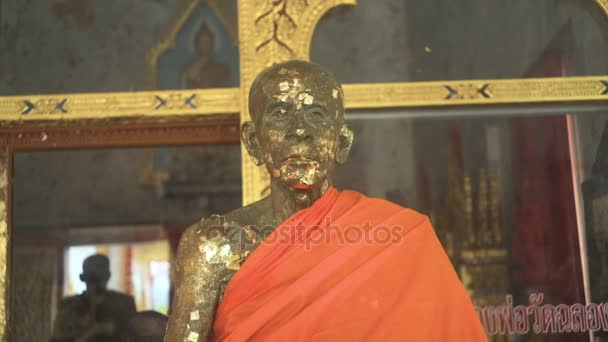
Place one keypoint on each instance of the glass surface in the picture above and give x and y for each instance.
(399, 41)
(114, 45)
(516, 195)
(131, 205)
(518, 202)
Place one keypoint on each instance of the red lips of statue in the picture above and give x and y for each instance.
(301, 186)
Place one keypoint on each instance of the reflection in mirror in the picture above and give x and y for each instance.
(502, 193)
(399, 41)
(125, 207)
(66, 46)
(592, 134)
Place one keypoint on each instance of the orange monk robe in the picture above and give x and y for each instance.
(320, 277)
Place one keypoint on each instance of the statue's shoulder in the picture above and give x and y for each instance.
(225, 226)
(255, 213)
(225, 239)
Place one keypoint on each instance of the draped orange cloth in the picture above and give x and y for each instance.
(349, 268)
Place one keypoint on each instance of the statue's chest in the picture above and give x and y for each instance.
(228, 250)
(229, 246)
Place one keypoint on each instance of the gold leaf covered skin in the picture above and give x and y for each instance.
(209, 254)
(196, 294)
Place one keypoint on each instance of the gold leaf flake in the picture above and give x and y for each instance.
(308, 99)
(250, 234)
(224, 252)
(283, 86)
(210, 250)
(192, 337)
(233, 262)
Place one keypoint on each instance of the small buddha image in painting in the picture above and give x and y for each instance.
(205, 71)
(199, 50)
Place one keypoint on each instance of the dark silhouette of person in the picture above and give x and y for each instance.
(98, 314)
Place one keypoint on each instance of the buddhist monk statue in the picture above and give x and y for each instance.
(310, 262)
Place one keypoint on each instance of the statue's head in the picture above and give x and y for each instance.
(297, 129)
(96, 272)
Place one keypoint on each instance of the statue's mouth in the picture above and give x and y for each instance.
(298, 159)
(300, 171)
(301, 186)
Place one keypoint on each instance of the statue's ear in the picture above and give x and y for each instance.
(345, 142)
(250, 140)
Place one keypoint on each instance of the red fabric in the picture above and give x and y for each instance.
(545, 243)
(399, 287)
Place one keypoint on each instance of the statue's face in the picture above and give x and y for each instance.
(299, 129)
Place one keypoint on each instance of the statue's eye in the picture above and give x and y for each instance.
(279, 113)
(315, 114)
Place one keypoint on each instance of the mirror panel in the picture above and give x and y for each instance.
(130, 204)
(404, 41)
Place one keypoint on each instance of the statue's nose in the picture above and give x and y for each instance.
(300, 131)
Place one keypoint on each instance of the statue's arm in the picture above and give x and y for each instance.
(196, 291)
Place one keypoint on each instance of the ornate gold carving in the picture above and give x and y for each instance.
(484, 266)
(150, 106)
(469, 226)
(483, 226)
(495, 209)
(272, 31)
(286, 27)
(4, 242)
(168, 40)
(603, 4)
(529, 90)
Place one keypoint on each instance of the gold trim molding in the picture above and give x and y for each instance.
(475, 92)
(170, 106)
(150, 106)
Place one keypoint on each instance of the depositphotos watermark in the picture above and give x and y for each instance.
(292, 233)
